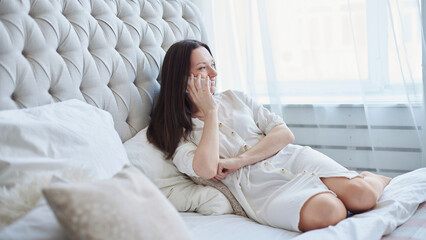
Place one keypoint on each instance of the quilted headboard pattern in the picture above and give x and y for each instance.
(107, 53)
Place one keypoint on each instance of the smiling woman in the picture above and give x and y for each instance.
(233, 139)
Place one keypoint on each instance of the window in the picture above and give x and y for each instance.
(328, 51)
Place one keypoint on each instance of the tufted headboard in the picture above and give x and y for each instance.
(107, 53)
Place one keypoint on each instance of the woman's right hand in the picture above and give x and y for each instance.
(200, 94)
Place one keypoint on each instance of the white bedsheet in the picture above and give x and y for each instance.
(399, 202)
(230, 226)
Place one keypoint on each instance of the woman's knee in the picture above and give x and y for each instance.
(360, 196)
(322, 210)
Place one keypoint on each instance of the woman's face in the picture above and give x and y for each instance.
(202, 63)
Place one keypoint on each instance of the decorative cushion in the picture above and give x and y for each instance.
(57, 136)
(128, 206)
(236, 206)
(183, 193)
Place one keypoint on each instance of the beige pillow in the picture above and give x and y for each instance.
(127, 206)
(184, 194)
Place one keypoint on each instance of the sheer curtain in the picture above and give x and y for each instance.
(346, 75)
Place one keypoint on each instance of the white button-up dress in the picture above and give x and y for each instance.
(271, 191)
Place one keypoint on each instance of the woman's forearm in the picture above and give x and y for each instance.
(206, 157)
(279, 137)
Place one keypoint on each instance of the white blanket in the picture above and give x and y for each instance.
(399, 202)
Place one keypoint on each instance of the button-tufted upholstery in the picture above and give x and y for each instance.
(104, 52)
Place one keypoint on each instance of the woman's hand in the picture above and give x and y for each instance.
(227, 166)
(200, 93)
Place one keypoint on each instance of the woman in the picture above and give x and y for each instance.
(229, 137)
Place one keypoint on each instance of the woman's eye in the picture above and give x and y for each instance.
(202, 68)
(214, 65)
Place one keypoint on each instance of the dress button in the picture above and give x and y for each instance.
(313, 174)
(245, 147)
(266, 163)
(220, 124)
(282, 171)
(232, 133)
(303, 173)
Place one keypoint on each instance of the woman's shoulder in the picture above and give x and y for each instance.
(232, 99)
(231, 94)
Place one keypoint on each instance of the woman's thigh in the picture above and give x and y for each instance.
(283, 208)
(313, 161)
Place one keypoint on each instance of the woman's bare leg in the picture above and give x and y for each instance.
(358, 194)
(320, 211)
(377, 182)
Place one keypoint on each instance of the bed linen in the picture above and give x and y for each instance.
(414, 228)
(399, 202)
(40, 224)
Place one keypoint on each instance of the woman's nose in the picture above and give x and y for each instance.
(212, 72)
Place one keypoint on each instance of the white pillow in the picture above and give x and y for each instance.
(17, 201)
(38, 224)
(181, 191)
(128, 206)
(54, 136)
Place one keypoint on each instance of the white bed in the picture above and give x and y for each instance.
(78, 79)
(400, 200)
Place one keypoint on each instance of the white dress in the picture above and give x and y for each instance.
(272, 191)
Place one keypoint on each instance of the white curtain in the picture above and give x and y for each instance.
(351, 70)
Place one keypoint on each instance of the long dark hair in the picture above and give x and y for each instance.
(171, 118)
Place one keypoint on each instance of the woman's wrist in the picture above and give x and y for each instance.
(209, 112)
(210, 116)
(242, 161)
